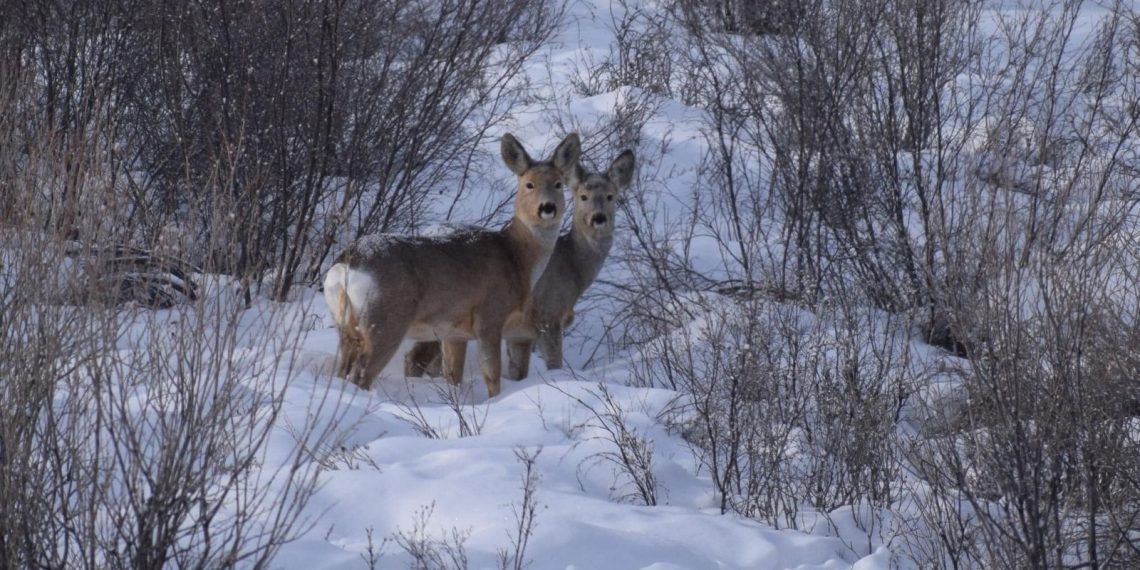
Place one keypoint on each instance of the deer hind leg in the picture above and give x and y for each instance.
(490, 338)
(518, 356)
(453, 356)
(383, 331)
(353, 343)
(423, 359)
(550, 345)
(350, 349)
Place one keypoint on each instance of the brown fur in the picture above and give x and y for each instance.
(578, 257)
(451, 288)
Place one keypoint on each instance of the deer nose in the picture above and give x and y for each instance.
(598, 220)
(547, 210)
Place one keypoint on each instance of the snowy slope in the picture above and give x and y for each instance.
(588, 514)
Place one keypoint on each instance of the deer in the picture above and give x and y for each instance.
(451, 288)
(577, 259)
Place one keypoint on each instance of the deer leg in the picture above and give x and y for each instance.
(435, 365)
(490, 355)
(453, 357)
(421, 359)
(518, 354)
(383, 347)
(550, 344)
(382, 337)
(350, 349)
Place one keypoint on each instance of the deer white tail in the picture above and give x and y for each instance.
(347, 290)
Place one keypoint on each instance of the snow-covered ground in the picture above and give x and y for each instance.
(405, 460)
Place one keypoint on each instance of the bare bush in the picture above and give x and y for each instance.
(429, 552)
(630, 453)
(1043, 449)
(525, 513)
(131, 438)
(745, 16)
(469, 418)
(914, 158)
(640, 54)
(137, 439)
(787, 413)
(373, 552)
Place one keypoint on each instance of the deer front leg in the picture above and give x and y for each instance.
(454, 355)
(518, 355)
(550, 344)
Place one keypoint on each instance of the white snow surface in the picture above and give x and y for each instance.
(388, 472)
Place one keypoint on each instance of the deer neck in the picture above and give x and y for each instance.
(531, 247)
(588, 254)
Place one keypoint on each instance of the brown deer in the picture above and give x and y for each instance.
(577, 259)
(449, 288)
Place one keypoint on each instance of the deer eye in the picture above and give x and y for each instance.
(609, 197)
(530, 185)
(557, 185)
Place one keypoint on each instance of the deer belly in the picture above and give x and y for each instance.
(427, 331)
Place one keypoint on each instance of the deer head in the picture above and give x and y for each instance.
(540, 200)
(595, 196)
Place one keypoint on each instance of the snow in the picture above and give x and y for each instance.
(587, 518)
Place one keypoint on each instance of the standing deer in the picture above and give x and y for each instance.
(577, 259)
(449, 288)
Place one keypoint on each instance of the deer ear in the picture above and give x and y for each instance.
(514, 155)
(621, 170)
(566, 155)
(576, 176)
